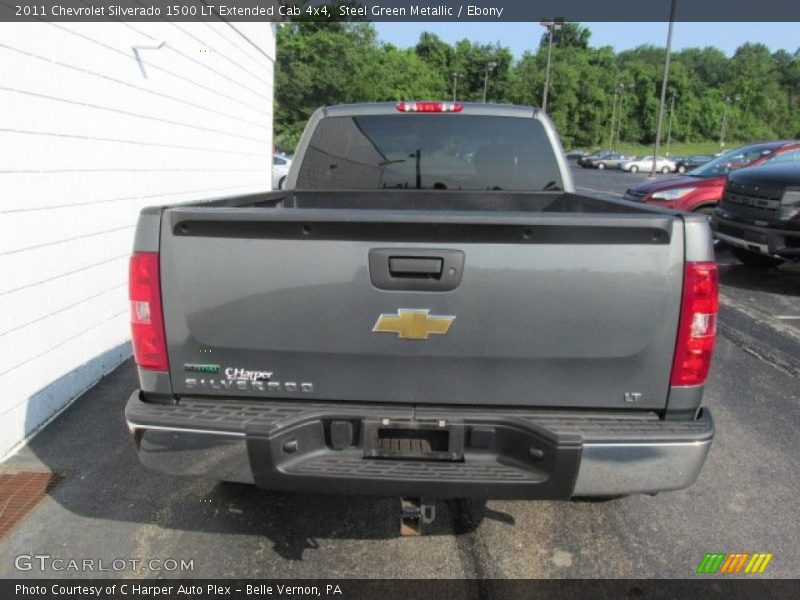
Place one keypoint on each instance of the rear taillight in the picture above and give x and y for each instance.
(697, 329)
(147, 320)
(429, 107)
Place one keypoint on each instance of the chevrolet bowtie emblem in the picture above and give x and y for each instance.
(413, 324)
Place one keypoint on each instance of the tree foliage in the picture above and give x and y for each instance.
(755, 94)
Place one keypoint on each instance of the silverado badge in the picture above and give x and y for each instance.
(413, 324)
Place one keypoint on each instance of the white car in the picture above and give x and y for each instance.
(280, 168)
(645, 164)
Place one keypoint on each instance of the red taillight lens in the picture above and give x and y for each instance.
(697, 329)
(429, 107)
(147, 321)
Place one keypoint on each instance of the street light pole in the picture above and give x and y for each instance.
(456, 77)
(551, 26)
(489, 67)
(664, 87)
(547, 72)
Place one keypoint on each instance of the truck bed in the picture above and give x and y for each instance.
(433, 200)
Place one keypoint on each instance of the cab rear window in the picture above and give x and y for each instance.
(429, 151)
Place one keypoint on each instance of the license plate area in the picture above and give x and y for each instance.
(413, 440)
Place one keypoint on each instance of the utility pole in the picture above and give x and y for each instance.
(722, 130)
(490, 66)
(613, 111)
(456, 77)
(722, 127)
(669, 127)
(622, 88)
(664, 87)
(551, 26)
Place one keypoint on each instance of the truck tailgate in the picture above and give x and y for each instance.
(555, 310)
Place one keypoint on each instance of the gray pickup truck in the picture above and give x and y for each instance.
(427, 310)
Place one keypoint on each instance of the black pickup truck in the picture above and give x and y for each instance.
(759, 215)
(427, 310)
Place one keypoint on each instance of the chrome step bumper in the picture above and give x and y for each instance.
(508, 453)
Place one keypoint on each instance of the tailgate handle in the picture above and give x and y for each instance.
(415, 266)
(416, 269)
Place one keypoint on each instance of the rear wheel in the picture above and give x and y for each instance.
(601, 166)
(682, 169)
(665, 170)
(634, 169)
(756, 260)
(598, 499)
(707, 210)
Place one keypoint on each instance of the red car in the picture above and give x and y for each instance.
(701, 188)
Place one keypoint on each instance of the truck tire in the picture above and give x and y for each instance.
(706, 210)
(756, 260)
(597, 499)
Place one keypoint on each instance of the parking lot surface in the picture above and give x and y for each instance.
(108, 507)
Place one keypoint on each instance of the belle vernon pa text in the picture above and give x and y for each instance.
(158, 590)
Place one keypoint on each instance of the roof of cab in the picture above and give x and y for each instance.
(469, 108)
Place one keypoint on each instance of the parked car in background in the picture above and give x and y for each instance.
(576, 153)
(584, 160)
(610, 161)
(688, 163)
(645, 163)
(701, 188)
(280, 168)
(759, 215)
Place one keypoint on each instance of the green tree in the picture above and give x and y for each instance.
(570, 35)
(756, 94)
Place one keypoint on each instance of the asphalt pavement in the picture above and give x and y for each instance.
(109, 507)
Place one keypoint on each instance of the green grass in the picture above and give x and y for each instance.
(677, 148)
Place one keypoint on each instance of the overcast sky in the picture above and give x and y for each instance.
(622, 36)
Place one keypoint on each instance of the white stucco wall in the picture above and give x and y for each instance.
(89, 134)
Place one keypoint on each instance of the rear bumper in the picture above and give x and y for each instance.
(507, 453)
(783, 243)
